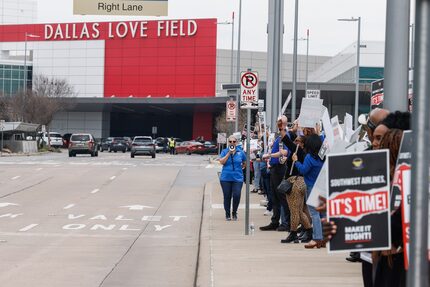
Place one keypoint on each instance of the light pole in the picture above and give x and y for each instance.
(357, 72)
(231, 56)
(307, 58)
(236, 124)
(27, 35)
(1, 128)
(294, 92)
(232, 43)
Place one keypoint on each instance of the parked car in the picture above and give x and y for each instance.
(190, 147)
(142, 145)
(56, 140)
(114, 144)
(211, 148)
(105, 144)
(159, 144)
(128, 142)
(82, 144)
(66, 140)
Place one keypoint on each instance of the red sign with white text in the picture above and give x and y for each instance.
(164, 58)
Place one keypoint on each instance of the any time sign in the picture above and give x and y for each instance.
(249, 90)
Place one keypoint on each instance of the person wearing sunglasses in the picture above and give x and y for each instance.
(233, 160)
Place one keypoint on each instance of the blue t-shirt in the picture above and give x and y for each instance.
(232, 169)
(275, 149)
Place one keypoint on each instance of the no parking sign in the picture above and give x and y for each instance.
(249, 90)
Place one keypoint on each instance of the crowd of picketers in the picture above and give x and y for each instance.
(294, 155)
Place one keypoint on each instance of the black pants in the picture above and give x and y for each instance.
(277, 173)
(390, 276)
(367, 273)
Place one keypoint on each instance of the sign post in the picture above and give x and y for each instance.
(230, 112)
(1, 128)
(313, 94)
(248, 100)
(154, 132)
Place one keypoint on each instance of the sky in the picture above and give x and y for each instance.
(327, 35)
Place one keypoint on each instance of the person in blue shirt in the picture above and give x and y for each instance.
(233, 159)
(280, 207)
(310, 169)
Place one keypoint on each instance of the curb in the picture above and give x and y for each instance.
(204, 274)
(25, 154)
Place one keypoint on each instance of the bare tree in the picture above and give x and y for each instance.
(39, 105)
(222, 126)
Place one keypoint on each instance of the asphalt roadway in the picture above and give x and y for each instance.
(113, 221)
(105, 221)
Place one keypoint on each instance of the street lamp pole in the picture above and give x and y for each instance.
(294, 92)
(232, 47)
(236, 124)
(357, 72)
(307, 59)
(27, 35)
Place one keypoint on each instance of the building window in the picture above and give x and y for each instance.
(12, 78)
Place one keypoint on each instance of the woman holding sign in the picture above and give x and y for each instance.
(310, 169)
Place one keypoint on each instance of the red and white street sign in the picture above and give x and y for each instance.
(249, 90)
(230, 111)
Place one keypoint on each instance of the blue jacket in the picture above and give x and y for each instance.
(232, 169)
(310, 169)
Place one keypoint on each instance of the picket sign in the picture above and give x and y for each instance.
(358, 186)
(310, 112)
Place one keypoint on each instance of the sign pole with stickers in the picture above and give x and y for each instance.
(358, 202)
(248, 100)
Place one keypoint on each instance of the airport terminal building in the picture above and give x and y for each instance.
(132, 76)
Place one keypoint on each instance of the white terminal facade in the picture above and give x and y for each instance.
(82, 64)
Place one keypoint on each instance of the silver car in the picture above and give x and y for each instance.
(142, 145)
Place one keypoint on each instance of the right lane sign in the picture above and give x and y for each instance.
(249, 90)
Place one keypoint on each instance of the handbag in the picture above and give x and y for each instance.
(286, 184)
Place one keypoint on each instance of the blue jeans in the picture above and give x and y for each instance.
(231, 189)
(257, 175)
(316, 218)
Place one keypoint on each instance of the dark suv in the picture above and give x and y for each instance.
(82, 144)
(114, 144)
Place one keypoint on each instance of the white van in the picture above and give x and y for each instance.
(56, 139)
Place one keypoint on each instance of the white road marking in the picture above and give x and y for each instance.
(69, 206)
(112, 177)
(124, 168)
(241, 206)
(15, 177)
(4, 204)
(39, 169)
(136, 207)
(95, 191)
(210, 166)
(28, 227)
(58, 165)
(160, 228)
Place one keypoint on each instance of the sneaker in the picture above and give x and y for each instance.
(234, 217)
(268, 213)
(264, 202)
(261, 191)
(271, 226)
(228, 218)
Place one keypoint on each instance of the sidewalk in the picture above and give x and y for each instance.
(229, 258)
